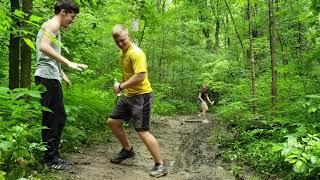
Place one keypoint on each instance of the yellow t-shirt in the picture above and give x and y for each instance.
(134, 61)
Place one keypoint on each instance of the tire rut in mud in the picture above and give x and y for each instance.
(197, 157)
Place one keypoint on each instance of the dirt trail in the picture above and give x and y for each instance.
(184, 147)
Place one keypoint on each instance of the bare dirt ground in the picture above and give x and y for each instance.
(184, 148)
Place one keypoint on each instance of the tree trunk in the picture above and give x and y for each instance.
(215, 11)
(216, 35)
(142, 32)
(25, 71)
(204, 19)
(206, 33)
(159, 2)
(234, 25)
(252, 60)
(161, 6)
(160, 63)
(14, 50)
(273, 55)
(226, 36)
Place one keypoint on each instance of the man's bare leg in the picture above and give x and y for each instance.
(152, 144)
(119, 132)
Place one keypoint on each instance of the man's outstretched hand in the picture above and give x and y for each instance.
(77, 66)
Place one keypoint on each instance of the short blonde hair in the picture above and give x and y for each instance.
(118, 29)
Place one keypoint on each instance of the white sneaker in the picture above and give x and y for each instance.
(158, 171)
(206, 121)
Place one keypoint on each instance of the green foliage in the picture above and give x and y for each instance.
(163, 108)
(20, 135)
(235, 112)
(87, 113)
(19, 104)
(164, 105)
(303, 154)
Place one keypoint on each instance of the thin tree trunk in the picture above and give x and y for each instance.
(206, 33)
(159, 2)
(161, 56)
(203, 17)
(173, 81)
(142, 33)
(227, 38)
(25, 71)
(214, 10)
(273, 55)
(161, 6)
(234, 25)
(14, 50)
(216, 35)
(252, 60)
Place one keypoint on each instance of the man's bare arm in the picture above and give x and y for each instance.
(45, 47)
(133, 81)
(65, 78)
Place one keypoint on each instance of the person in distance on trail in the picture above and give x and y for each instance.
(136, 102)
(203, 101)
(48, 73)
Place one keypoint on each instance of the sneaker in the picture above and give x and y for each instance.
(58, 166)
(61, 160)
(158, 171)
(205, 121)
(122, 155)
(57, 163)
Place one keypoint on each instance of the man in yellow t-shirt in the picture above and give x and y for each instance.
(136, 104)
(133, 61)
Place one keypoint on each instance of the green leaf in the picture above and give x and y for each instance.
(277, 148)
(33, 145)
(42, 148)
(305, 155)
(17, 129)
(6, 145)
(313, 159)
(55, 41)
(293, 161)
(2, 174)
(43, 108)
(71, 119)
(303, 159)
(298, 167)
(313, 96)
(312, 110)
(34, 18)
(29, 43)
(292, 156)
(4, 90)
(35, 94)
(19, 94)
(19, 13)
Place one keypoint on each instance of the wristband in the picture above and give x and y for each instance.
(120, 87)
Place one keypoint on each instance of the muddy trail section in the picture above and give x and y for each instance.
(184, 147)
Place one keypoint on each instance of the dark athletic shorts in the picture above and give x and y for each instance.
(137, 108)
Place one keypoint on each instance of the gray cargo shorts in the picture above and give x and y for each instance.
(135, 108)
